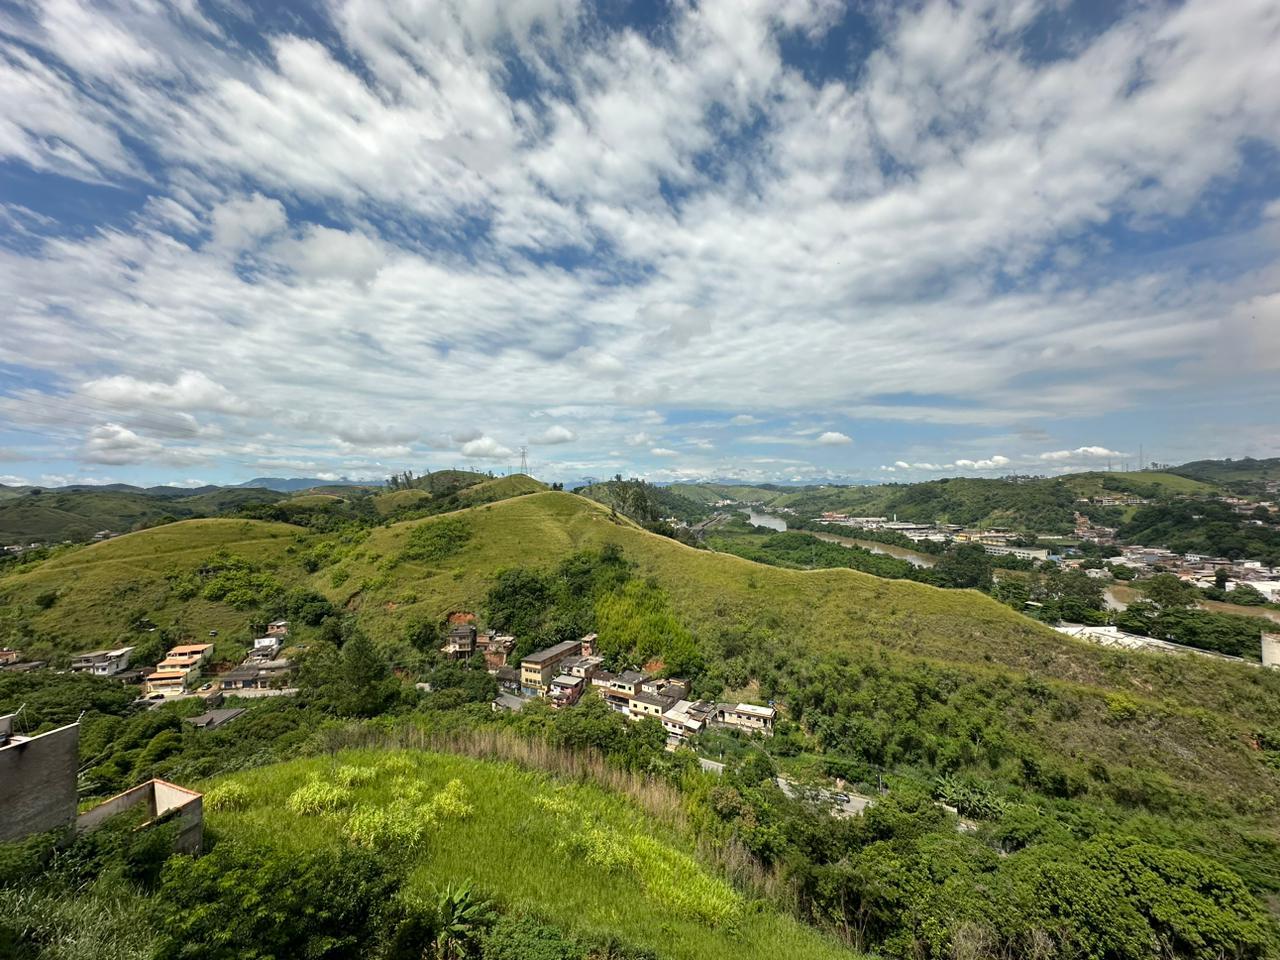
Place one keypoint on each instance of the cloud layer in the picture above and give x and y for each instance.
(414, 234)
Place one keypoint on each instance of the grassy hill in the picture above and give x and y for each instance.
(94, 592)
(708, 493)
(588, 859)
(501, 488)
(1193, 719)
(57, 515)
(1247, 475)
(388, 503)
(1145, 483)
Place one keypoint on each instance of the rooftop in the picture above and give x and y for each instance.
(553, 653)
(190, 648)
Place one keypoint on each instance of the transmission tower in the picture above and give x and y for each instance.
(524, 459)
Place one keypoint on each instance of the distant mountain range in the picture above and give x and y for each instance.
(292, 484)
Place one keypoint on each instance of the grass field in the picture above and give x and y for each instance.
(587, 858)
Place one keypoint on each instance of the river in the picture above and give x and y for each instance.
(914, 557)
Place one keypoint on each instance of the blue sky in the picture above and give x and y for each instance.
(781, 241)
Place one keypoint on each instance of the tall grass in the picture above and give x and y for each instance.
(657, 798)
(591, 859)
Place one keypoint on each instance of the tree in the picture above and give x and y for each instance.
(368, 687)
(1167, 592)
(968, 565)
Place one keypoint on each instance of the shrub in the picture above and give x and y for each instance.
(316, 797)
(353, 776)
(396, 826)
(227, 796)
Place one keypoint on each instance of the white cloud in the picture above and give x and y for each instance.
(664, 452)
(112, 443)
(754, 282)
(555, 434)
(486, 448)
(1082, 453)
(834, 438)
(244, 221)
(10, 480)
(192, 390)
(992, 463)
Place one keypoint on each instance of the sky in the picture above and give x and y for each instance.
(797, 241)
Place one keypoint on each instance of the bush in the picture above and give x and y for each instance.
(528, 938)
(316, 797)
(227, 796)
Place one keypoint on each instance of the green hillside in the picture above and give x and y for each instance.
(708, 493)
(501, 488)
(57, 515)
(1246, 475)
(388, 503)
(1146, 483)
(588, 860)
(733, 607)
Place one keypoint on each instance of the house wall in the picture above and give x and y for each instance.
(1271, 650)
(160, 798)
(38, 783)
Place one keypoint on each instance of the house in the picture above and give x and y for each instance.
(460, 642)
(747, 716)
(507, 701)
(102, 663)
(641, 704)
(278, 628)
(508, 679)
(264, 648)
(669, 687)
(589, 645)
(497, 648)
(167, 682)
(256, 675)
(538, 669)
(213, 719)
(584, 667)
(8, 655)
(187, 655)
(622, 687)
(566, 690)
(681, 722)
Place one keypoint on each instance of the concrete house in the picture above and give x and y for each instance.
(102, 663)
(566, 690)
(167, 682)
(278, 628)
(188, 655)
(747, 716)
(460, 642)
(538, 669)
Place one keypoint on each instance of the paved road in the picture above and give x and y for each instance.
(851, 806)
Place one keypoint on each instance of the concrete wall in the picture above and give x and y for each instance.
(161, 799)
(38, 783)
(1271, 650)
